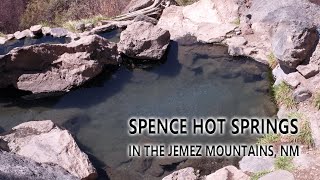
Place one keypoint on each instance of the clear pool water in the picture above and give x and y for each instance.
(195, 80)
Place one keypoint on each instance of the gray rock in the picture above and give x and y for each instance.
(58, 32)
(301, 94)
(57, 67)
(80, 26)
(235, 45)
(46, 30)
(235, 51)
(280, 174)
(44, 142)
(294, 42)
(309, 70)
(145, 19)
(304, 161)
(4, 146)
(21, 168)
(137, 4)
(22, 34)
(236, 41)
(228, 173)
(213, 33)
(104, 28)
(292, 79)
(2, 40)
(10, 37)
(279, 75)
(36, 30)
(143, 40)
(183, 174)
(205, 19)
(256, 164)
(88, 26)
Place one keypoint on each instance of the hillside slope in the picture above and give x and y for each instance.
(20, 14)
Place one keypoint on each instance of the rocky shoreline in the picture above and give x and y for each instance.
(284, 35)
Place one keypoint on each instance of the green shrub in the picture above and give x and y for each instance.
(258, 175)
(284, 163)
(272, 60)
(237, 21)
(305, 134)
(269, 139)
(283, 95)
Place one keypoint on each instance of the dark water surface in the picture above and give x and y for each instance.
(195, 81)
(4, 49)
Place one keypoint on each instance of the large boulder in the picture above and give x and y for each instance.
(21, 168)
(206, 20)
(289, 25)
(294, 42)
(44, 142)
(266, 15)
(144, 40)
(50, 68)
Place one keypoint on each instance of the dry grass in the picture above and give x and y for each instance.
(284, 163)
(283, 95)
(272, 60)
(186, 2)
(316, 100)
(58, 12)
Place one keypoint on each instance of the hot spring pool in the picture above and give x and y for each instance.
(195, 81)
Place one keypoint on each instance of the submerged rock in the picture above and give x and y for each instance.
(21, 168)
(143, 40)
(44, 142)
(51, 68)
(183, 174)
